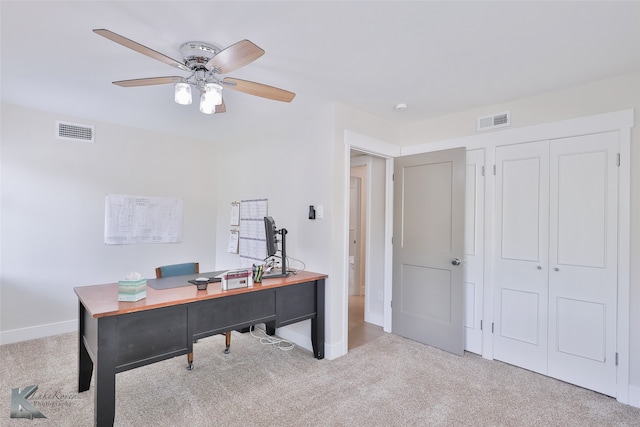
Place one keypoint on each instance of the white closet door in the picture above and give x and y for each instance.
(521, 258)
(474, 252)
(583, 261)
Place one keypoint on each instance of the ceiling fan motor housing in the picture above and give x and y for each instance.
(197, 54)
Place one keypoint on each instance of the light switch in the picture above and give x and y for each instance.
(319, 212)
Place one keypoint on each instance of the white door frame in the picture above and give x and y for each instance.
(362, 170)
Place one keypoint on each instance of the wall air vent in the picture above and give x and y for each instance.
(494, 121)
(74, 132)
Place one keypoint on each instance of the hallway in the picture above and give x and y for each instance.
(360, 332)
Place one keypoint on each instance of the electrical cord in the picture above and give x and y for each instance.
(265, 339)
(304, 266)
(272, 262)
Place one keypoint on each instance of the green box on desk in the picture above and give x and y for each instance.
(132, 290)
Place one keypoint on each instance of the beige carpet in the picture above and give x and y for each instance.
(390, 381)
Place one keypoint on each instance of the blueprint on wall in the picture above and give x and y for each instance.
(130, 219)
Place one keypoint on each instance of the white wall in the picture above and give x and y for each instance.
(603, 96)
(290, 165)
(52, 231)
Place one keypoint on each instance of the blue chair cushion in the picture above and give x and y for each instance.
(178, 269)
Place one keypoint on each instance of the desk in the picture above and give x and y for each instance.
(118, 336)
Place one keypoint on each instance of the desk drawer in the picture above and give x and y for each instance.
(232, 312)
(149, 336)
(296, 303)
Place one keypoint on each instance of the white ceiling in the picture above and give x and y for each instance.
(438, 57)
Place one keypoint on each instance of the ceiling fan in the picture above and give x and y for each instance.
(205, 63)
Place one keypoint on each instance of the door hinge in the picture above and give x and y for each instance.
(482, 170)
(616, 359)
(480, 324)
(618, 159)
(492, 324)
(393, 177)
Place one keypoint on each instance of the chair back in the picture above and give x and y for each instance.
(178, 269)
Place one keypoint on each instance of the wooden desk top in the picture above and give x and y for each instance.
(102, 300)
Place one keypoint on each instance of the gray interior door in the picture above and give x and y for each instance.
(428, 246)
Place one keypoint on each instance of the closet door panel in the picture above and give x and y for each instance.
(583, 261)
(521, 254)
(474, 251)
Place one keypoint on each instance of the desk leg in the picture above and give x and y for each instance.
(85, 364)
(190, 361)
(270, 328)
(227, 342)
(190, 341)
(105, 383)
(317, 323)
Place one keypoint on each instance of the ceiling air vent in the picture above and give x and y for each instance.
(74, 132)
(494, 121)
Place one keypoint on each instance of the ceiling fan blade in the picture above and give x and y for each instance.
(221, 108)
(259, 89)
(148, 81)
(141, 49)
(235, 56)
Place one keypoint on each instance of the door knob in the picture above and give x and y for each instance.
(455, 261)
(556, 269)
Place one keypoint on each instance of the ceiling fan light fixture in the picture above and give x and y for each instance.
(183, 94)
(211, 96)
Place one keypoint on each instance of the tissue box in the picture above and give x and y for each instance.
(132, 290)
(237, 279)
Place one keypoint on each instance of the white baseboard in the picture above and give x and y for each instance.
(634, 396)
(297, 338)
(375, 319)
(331, 352)
(40, 331)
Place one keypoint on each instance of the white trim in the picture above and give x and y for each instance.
(40, 331)
(303, 340)
(624, 264)
(561, 129)
(618, 121)
(634, 396)
(388, 249)
(369, 145)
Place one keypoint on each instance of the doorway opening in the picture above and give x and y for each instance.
(365, 263)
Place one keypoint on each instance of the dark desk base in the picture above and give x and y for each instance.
(114, 344)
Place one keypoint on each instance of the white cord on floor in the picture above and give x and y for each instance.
(265, 339)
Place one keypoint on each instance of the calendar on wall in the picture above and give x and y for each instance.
(252, 241)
